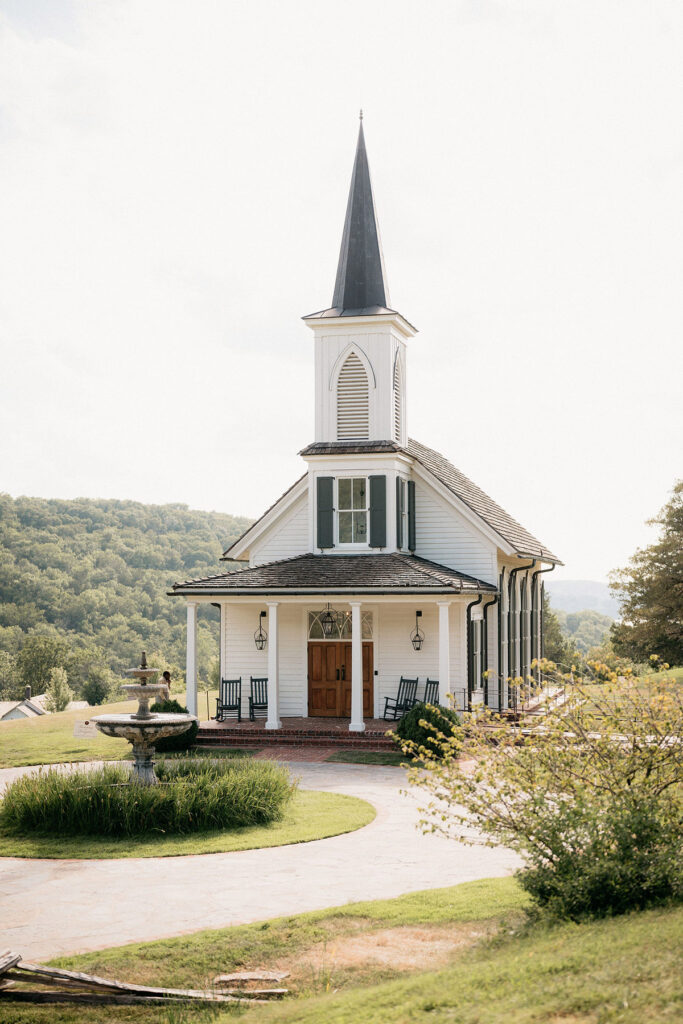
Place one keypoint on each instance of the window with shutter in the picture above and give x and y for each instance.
(353, 401)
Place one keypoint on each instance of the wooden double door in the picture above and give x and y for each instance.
(329, 679)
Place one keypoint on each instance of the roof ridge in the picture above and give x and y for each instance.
(421, 565)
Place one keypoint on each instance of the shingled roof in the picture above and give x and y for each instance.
(340, 574)
(446, 473)
(462, 487)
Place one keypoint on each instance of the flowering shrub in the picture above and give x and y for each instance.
(591, 795)
(429, 728)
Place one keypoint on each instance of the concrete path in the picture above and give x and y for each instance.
(53, 907)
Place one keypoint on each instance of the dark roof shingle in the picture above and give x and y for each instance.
(462, 487)
(393, 573)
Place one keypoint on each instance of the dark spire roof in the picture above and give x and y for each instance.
(361, 285)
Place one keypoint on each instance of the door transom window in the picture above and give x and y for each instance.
(343, 629)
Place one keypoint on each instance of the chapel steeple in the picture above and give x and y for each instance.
(361, 284)
(360, 350)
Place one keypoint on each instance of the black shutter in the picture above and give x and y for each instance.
(411, 516)
(399, 513)
(378, 511)
(325, 511)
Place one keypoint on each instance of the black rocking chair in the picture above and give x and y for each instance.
(396, 707)
(258, 698)
(229, 701)
(431, 692)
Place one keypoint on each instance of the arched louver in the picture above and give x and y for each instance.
(398, 402)
(353, 401)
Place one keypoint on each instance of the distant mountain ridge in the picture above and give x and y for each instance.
(579, 595)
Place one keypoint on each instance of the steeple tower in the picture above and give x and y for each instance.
(359, 340)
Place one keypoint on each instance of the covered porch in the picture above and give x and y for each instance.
(394, 616)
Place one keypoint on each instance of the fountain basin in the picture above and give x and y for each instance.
(144, 693)
(143, 732)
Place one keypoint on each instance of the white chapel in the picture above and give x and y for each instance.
(382, 561)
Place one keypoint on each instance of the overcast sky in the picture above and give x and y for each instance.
(173, 181)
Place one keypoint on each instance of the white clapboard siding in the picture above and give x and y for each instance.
(288, 537)
(240, 657)
(396, 657)
(443, 535)
(353, 405)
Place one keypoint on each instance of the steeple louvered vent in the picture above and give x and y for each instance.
(398, 403)
(353, 403)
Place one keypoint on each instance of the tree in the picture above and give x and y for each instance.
(650, 590)
(99, 685)
(37, 658)
(555, 644)
(10, 685)
(590, 798)
(59, 693)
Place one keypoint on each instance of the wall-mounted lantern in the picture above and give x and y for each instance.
(417, 637)
(260, 636)
(328, 621)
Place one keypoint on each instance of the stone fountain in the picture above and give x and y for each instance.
(145, 727)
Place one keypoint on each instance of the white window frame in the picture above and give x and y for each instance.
(352, 545)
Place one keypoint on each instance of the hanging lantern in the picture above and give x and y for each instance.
(260, 636)
(328, 621)
(417, 636)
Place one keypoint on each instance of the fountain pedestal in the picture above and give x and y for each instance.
(144, 728)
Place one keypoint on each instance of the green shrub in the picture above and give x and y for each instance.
(440, 722)
(193, 796)
(591, 798)
(186, 739)
(623, 857)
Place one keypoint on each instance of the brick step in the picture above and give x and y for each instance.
(253, 738)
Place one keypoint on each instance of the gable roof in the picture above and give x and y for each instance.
(339, 574)
(500, 521)
(225, 556)
(490, 511)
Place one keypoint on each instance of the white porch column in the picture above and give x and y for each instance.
(191, 664)
(357, 724)
(273, 720)
(444, 653)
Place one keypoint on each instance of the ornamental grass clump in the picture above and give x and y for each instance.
(191, 797)
(590, 795)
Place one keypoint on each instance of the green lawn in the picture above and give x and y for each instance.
(49, 739)
(311, 815)
(388, 757)
(627, 969)
(496, 970)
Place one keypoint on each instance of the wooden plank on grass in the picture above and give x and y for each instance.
(238, 976)
(107, 998)
(27, 971)
(7, 960)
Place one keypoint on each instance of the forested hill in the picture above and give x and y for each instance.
(96, 572)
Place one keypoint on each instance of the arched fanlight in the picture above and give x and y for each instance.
(417, 636)
(328, 621)
(260, 636)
